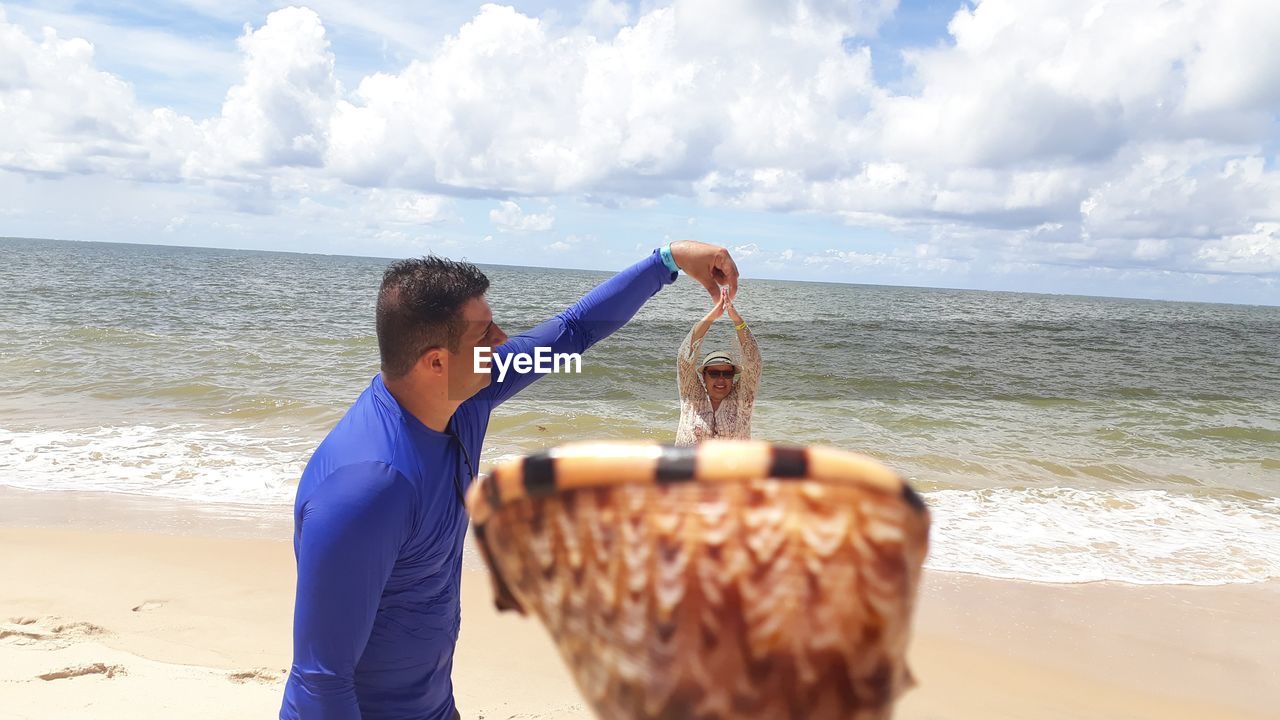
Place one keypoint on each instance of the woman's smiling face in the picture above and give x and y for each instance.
(719, 380)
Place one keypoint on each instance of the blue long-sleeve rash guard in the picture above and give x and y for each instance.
(378, 532)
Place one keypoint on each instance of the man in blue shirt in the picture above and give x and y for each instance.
(379, 519)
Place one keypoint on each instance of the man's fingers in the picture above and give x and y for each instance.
(710, 265)
(725, 271)
(713, 287)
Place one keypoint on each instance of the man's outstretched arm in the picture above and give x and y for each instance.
(608, 307)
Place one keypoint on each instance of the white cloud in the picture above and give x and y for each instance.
(1235, 67)
(1187, 190)
(147, 52)
(508, 217)
(279, 114)
(408, 207)
(1113, 135)
(902, 264)
(605, 17)
(399, 242)
(1257, 251)
(508, 105)
(589, 243)
(62, 115)
(1151, 250)
(59, 115)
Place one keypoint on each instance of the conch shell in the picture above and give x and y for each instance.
(728, 580)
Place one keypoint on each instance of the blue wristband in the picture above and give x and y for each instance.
(670, 262)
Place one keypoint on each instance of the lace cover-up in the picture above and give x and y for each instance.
(698, 421)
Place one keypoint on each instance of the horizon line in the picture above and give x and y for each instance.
(580, 269)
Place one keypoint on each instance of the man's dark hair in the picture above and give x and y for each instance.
(420, 307)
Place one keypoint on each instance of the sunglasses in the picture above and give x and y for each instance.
(720, 374)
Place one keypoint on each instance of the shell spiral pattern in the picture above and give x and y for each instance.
(730, 580)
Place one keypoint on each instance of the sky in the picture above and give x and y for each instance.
(1124, 148)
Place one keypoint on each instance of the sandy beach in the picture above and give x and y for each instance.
(114, 607)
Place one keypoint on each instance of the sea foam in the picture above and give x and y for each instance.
(1064, 535)
(1053, 535)
(188, 462)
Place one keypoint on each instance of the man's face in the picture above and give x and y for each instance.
(478, 330)
(719, 380)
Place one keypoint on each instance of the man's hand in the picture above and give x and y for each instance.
(710, 265)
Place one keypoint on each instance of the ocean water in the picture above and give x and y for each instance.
(1056, 439)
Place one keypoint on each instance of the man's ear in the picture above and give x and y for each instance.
(434, 361)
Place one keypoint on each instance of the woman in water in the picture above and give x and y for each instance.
(712, 405)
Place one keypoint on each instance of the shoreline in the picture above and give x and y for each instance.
(150, 607)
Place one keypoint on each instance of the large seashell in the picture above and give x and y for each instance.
(728, 580)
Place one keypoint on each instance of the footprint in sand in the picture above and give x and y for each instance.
(259, 675)
(83, 670)
(46, 633)
(52, 633)
(149, 605)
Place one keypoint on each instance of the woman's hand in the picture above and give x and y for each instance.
(702, 326)
(718, 309)
(733, 312)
